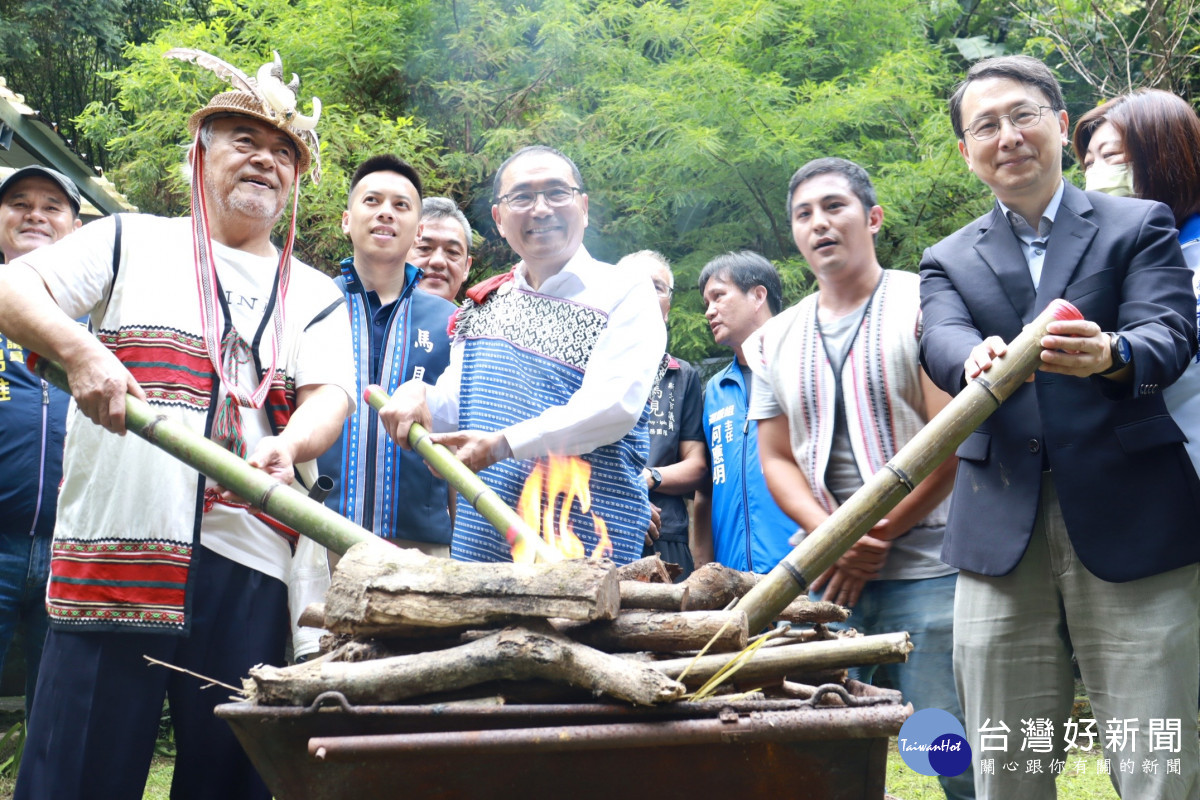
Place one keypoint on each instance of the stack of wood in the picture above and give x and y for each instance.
(405, 626)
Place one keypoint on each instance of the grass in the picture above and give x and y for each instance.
(158, 786)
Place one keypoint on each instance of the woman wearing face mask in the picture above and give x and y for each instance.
(1147, 144)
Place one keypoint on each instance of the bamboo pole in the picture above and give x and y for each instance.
(481, 497)
(932, 445)
(291, 507)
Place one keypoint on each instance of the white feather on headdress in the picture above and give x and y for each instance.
(222, 68)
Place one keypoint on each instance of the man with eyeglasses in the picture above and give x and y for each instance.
(1073, 518)
(678, 462)
(557, 356)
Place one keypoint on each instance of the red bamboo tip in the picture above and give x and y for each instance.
(31, 359)
(1063, 310)
(512, 535)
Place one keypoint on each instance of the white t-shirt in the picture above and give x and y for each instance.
(247, 281)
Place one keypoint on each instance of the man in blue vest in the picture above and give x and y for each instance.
(38, 206)
(399, 334)
(738, 523)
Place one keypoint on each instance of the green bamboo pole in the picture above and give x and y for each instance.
(469, 485)
(289, 506)
(932, 445)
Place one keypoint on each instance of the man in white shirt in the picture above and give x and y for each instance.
(557, 356)
(221, 332)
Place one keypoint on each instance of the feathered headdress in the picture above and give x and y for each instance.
(264, 97)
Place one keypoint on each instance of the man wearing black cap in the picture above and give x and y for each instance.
(224, 333)
(38, 206)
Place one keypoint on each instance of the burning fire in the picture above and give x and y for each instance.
(539, 506)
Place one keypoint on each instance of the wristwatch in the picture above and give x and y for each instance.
(656, 477)
(1122, 353)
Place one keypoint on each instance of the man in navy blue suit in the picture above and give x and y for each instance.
(1074, 519)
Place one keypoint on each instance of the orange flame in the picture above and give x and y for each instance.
(539, 506)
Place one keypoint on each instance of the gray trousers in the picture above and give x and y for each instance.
(1138, 648)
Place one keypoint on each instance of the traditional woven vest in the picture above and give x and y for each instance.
(880, 382)
(523, 353)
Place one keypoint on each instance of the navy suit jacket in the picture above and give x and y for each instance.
(1129, 494)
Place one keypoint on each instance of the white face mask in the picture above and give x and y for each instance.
(1114, 179)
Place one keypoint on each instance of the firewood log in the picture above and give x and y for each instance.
(662, 631)
(661, 596)
(813, 611)
(406, 593)
(715, 586)
(712, 585)
(651, 569)
(313, 616)
(510, 654)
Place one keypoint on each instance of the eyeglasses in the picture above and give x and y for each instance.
(1021, 117)
(663, 290)
(555, 197)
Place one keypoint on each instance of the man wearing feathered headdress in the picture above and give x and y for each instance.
(220, 330)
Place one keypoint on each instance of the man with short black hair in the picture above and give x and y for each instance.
(1073, 518)
(557, 356)
(738, 523)
(38, 206)
(442, 250)
(838, 391)
(221, 332)
(399, 335)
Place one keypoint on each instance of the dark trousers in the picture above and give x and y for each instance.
(24, 567)
(98, 702)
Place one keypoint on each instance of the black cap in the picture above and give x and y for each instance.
(68, 186)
